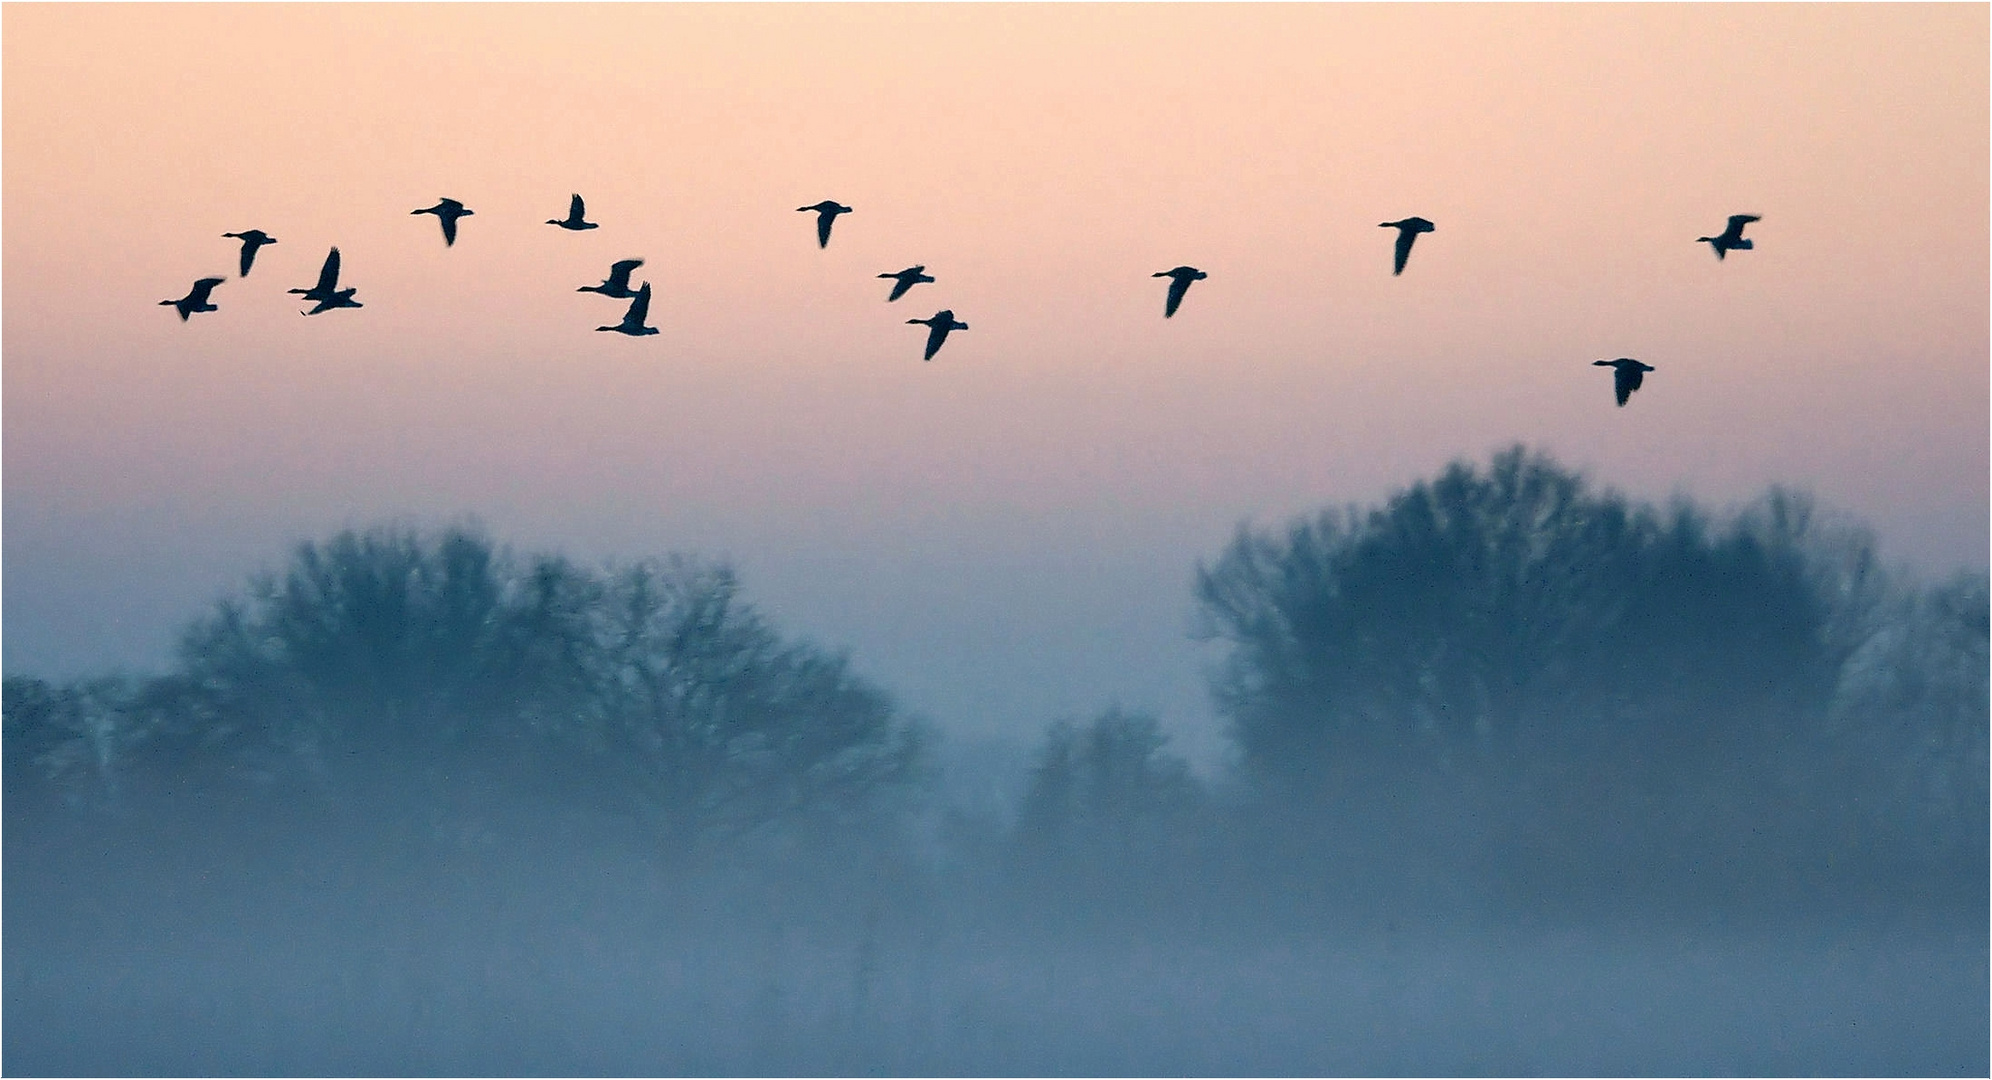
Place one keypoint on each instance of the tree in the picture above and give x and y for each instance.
(716, 727)
(432, 664)
(1490, 611)
(68, 743)
(1911, 710)
(1107, 794)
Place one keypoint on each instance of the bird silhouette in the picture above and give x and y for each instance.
(937, 330)
(251, 240)
(196, 298)
(826, 213)
(328, 280)
(907, 278)
(1732, 237)
(574, 222)
(1407, 234)
(448, 210)
(1179, 283)
(617, 284)
(1627, 374)
(336, 299)
(632, 320)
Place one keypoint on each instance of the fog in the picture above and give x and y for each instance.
(1520, 775)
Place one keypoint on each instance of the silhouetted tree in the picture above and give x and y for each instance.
(422, 663)
(1514, 606)
(715, 726)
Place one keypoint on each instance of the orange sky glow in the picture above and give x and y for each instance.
(1007, 533)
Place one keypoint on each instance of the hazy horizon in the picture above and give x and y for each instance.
(1008, 534)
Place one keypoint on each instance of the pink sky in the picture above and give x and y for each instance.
(1008, 531)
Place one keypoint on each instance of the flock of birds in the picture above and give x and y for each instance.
(326, 295)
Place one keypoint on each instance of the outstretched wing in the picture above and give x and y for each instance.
(1405, 238)
(1736, 223)
(824, 219)
(328, 275)
(202, 288)
(639, 308)
(1178, 285)
(899, 288)
(1626, 379)
(575, 208)
(936, 334)
(449, 228)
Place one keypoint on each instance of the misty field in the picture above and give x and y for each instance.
(1526, 778)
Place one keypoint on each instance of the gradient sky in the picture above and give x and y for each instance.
(1007, 534)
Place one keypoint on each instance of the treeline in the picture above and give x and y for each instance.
(1501, 690)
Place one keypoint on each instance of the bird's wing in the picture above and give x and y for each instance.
(823, 222)
(639, 308)
(1624, 383)
(935, 335)
(202, 288)
(449, 229)
(248, 256)
(1177, 287)
(328, 275)
(575, 208)
(899, 288)
(1734, 232)
(1405, 238)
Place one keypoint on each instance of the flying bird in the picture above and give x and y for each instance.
(251, 240)
(196, 298)
(449, 210)
(337, 299)
(328, 280)
(937, 332)
(617, 284)
(1732, 237)
(574, 222)
(1179, 283)
(1627, 374)
(632, 321)
(1407, 234)
(826, 213)
(907, 278)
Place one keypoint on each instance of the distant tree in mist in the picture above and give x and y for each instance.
(1505, 665)
(1912, 705)
(394, 661)
(68, 742)
(715, 725)
(386, 644)
(1488, 609)
(1110, 779)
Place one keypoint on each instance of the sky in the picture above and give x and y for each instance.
(1008, 534)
